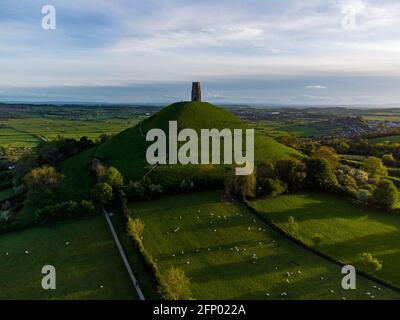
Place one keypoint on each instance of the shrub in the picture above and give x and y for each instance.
(267, 180)
(101, 193)
(4, 216)
(44, 179)
(292, 225)
(136, 190)
(143, 189)
(370, 262)
(271, 187)
(292, 172)
(375, 167)
(64, 210)
(385, 194)
(320, 174)
(347, 191)
(176, 285)
(114, 179)
(147, 257)
(155, 189)
(88, 206)
(317, 239)
(135, 228)
(329, 154)
(186, 184)
(388, 159)
(364, 195)
(245, 186)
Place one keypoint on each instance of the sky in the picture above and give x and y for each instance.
(314, 52)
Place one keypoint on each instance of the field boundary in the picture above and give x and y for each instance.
(123, 256)
(314, 251)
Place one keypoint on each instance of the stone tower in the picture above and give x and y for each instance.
(196, 92)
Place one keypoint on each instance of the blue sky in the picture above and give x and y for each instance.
(250, 51)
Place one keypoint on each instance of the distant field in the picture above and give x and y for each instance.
(89, 267)
(301, 130)
(382, 117)
(26, 131)
(12, 137)
(395, 138)
(348, 228)
(229, 254)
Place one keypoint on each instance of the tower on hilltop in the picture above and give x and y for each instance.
(196, 92)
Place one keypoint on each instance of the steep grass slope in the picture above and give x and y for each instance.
(127, 150)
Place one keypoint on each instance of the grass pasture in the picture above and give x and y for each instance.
(88, 267)
(26, 131)
(348, 229)
(230, 254)
(12, 137)
(395, 138)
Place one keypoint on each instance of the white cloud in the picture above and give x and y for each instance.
(315, 87)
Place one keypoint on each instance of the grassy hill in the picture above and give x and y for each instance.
(234, 255)
(127, 150)
(348, 229)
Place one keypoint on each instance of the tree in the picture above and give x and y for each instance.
(114, 179)
(310, 147)
(317, 239)
(385, 194)
(292, 172)
(268, 182)
(136, 189)
(135, 228)
(291, 140)
(102, 193)
(245, 185)
(375, 167)
(42, 180)
(292, 225)
(320, 174)
(370, 262)
(329, 154)
(388, 159)
(24, 165)
(175, 285)
(342, 147)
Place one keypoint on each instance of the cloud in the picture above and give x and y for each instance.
(125, 42)
(315, 87)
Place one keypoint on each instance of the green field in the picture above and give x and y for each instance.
(12, 137)
(301, 130)
(348, 228)
(395, 138)
(388, 116)
(27, 131)
(88, 267)
(230, 254)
